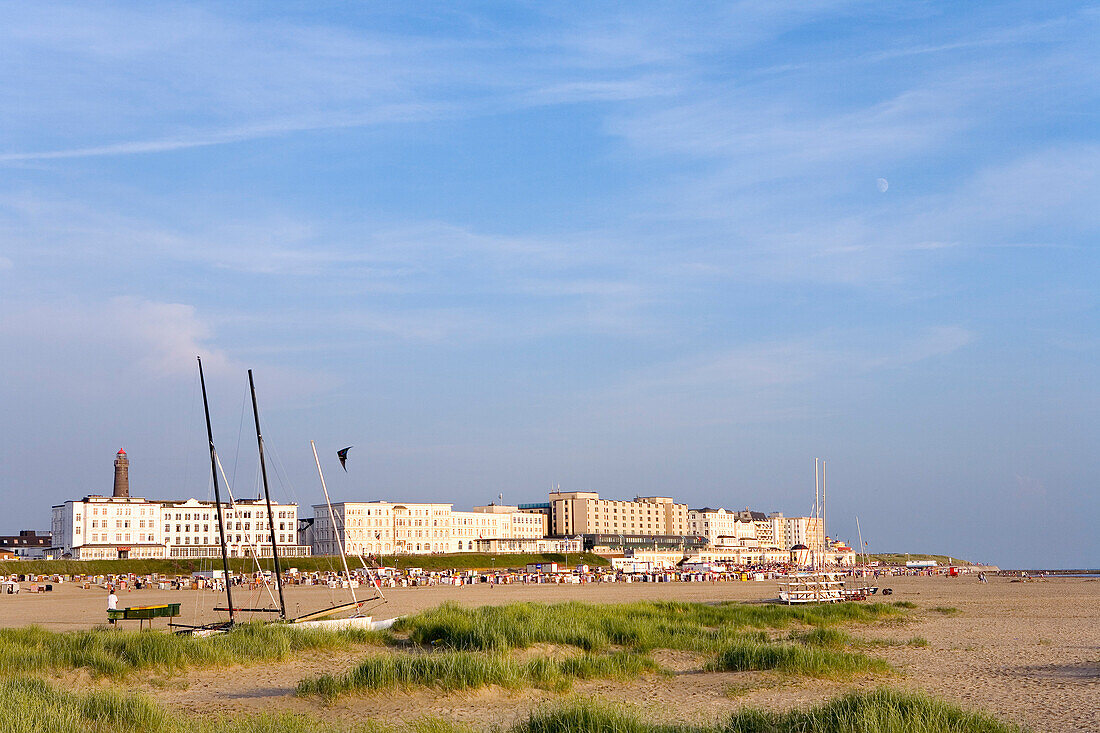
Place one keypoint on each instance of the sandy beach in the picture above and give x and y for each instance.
(1026, 652)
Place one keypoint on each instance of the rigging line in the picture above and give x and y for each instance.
(332, 517)
(187, 430)
(281, 475)
(240, 431)
(370, 575)
(292, 494)
(252, 547)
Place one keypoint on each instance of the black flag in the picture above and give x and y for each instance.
(342, 454)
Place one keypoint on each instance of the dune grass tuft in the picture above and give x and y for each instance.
(116, 653)
(878, 711)
(826, 638)
(642, 626)
(796, 659)
(462, 670)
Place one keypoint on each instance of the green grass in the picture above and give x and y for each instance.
(908, 605)
(946, 610)
(116, 653)
(637, 626)
(879, 711)
(462, 670)
(900, 558)
(457, 561)
(917, 641)
(35, 706)
(826, 637)
(795, 659)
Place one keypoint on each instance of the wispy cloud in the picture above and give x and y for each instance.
(800, 360)
(393, 113)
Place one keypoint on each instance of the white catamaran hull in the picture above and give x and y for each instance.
(337, 624)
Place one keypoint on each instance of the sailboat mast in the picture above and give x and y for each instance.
(267, 496)
(824, 536)
(817, 508)
(217, 500)
(859, 533)
(332, 518)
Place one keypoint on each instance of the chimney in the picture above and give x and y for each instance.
(122, 474)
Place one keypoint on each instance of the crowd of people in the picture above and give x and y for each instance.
(388, 577)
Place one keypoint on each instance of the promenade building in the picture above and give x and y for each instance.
(131, 527)
(383, 527)
(122, 526)
(722, 527)
(28, 544)
(585, 513)
(800, 531)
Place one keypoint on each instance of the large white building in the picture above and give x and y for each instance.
(382, 527)
(120, 527)
(722, 527)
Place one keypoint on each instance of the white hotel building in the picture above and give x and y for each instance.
(120, 527)
(382, 527)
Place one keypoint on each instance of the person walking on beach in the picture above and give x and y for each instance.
(112, 603)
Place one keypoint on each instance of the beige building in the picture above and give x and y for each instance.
(584, 512)
(382, 527)
(802, 531)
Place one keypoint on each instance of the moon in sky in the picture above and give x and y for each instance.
(882, 184)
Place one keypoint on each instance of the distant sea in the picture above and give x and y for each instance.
(1062, 572)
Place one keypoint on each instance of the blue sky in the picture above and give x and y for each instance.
(665, 248)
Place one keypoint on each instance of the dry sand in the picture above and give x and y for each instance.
(1027, 652)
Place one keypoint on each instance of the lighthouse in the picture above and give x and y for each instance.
(122, 474)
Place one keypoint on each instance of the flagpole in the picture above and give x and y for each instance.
(332, 518)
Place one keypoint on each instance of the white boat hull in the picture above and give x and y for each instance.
(338, 624)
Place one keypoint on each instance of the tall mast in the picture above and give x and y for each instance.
(817, 507)
(859, 533)
(332, 518)
(217, 500)
(267, 496)
(824, 538)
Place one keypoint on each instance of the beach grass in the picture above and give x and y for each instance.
(465, 670)
(795, 659)
(642, 626)
(36, 706)
(116, 653)
(826, 637)
(946, 610)
(879, 711)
